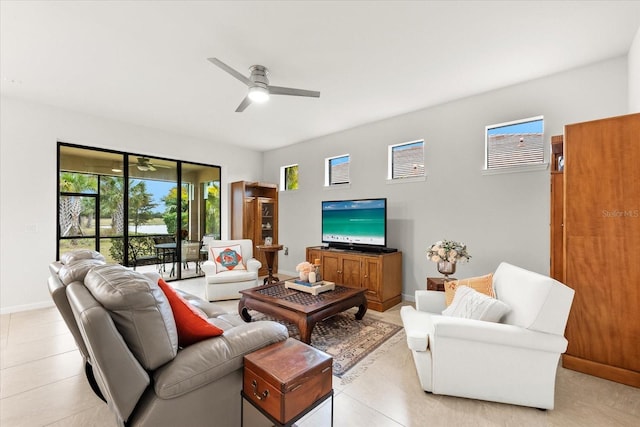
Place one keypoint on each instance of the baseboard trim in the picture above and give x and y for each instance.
(612, 373)
(26, 307)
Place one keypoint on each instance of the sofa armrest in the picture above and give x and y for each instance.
(417, 327)
(430, 301)
(213, 358)
(209, 268)
(253, 265)
(494, 333)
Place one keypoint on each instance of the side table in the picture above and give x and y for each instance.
(437, 283)
(269, 254)
(286, 380)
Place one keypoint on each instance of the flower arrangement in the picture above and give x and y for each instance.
(448, 251)
(304, 268)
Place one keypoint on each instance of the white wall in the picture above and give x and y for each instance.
(634, 74)
(500, 217)
(28, 142)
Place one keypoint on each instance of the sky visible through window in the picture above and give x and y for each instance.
(339, 160)
(407, 146)
(527, 127)
(159, 190)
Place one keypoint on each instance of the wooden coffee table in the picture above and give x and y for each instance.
(303, 309)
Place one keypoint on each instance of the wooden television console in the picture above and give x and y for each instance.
(379, 273)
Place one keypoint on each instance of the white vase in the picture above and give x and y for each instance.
(304, 276)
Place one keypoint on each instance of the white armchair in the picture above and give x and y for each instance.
(514, 361)
(223, 284)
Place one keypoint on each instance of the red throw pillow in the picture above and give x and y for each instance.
(192, 325)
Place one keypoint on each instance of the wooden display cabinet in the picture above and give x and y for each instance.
(254, 215)
(557, 213)
(379, 274)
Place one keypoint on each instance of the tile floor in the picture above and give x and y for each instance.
(42, 383)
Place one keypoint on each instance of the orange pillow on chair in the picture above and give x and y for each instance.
(482, 284)
(191, 324)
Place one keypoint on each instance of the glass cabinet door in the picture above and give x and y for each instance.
(267, 221)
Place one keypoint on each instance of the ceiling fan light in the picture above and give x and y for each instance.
(258, 94)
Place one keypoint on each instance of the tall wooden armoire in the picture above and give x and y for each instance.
(602, 247)
(254, 215)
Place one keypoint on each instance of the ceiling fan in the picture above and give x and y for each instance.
(259, 87)
(145, 165)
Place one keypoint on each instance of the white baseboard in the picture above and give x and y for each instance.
(287, 273)
(410, 297)
(26, 307)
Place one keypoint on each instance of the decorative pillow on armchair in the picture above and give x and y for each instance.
(482, 284)
(471, 304)
(227, 258)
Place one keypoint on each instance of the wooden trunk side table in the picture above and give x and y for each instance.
(437, 283)
(286, 380)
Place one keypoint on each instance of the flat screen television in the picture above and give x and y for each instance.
(355, 224)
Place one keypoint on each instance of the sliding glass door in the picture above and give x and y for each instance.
(135, 215)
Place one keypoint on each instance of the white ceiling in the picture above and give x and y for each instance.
(145, 62)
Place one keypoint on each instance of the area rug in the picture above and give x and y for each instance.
(346, 339)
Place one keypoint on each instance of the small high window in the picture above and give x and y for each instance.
(337, 170)
(289, 178)
(406, 160)
(515, 144)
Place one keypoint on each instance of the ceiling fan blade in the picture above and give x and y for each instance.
(278, 90)
(244, 104)
(231, 71)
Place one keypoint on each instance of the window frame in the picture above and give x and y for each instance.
(328, 168)
(390, 163)
(104, 163)
(283, 177)
(515, 166)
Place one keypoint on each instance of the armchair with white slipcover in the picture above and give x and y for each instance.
(224, 283)
(513, 362)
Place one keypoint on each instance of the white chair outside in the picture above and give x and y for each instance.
(191, 253)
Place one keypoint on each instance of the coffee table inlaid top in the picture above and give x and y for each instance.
(301, 308)
(278, 294)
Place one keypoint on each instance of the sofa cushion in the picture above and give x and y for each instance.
(77, 270)
(227, 258)
(140, 311)
(232, 277)
(471, 304)
(482, 284)
(191, 324)
(79, 254)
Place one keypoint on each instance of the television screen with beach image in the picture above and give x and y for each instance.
(354, 222)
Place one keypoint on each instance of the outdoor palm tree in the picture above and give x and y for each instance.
(140, 204)
(71, 206)
(112, 203)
